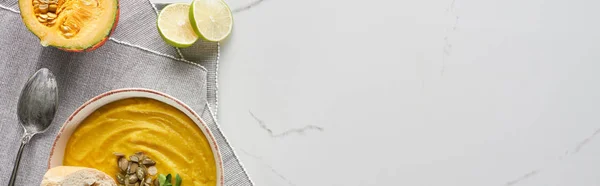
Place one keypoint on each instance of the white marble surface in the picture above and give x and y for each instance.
(417, 92)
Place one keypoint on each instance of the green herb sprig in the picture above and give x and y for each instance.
(166, 180)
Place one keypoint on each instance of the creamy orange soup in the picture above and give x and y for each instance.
(162, 132)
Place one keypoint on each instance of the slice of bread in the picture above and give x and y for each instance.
(76, 176)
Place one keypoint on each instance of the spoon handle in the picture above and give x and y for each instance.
(24, 140)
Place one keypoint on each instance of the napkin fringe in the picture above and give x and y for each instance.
(217, 82)
(156, 53)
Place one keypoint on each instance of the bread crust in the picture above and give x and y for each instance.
(69, 175)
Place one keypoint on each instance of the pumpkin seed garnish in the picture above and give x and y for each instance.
(123, 164)
(120, 178)
(140, 172)
(134, 158)
(148, 161)
(118, 154)
(132, 178)
(137, 171)
(152, 170)
(140, 155)
(132, 167)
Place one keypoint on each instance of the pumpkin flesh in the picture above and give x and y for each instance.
(72, 25)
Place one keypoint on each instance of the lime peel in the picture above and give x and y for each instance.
(174, 25)
(211, 19)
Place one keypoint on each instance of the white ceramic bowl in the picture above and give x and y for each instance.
(58, 148)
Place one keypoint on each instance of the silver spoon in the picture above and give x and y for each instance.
(36, 109)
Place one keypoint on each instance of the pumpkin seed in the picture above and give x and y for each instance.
(51, 15)
(123, 164)
(69, 35)
(139, 153)
(118, 154)
(134, 158)
(65, 28)
(43, 8)
(44, 16)
(120, 178)
(132, 167)
(44, 1)
(148, 161)
(41, 20)
(52, 22)
(152, 170)
(52, 8)
(139, 169)
(140, 172)
(132, 178)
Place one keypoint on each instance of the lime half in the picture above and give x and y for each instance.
(174, 25)
(211, 19)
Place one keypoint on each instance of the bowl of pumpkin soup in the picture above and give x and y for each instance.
(134, 121)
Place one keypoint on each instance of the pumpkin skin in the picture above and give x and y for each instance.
(71, 25)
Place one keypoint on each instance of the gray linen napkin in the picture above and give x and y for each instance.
(135, 56)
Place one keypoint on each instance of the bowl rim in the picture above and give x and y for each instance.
(218, 157)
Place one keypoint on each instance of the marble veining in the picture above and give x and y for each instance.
(577, 148)
(447, 46)
(260, 159)
(248, 6)
(585, 141)
(523, 177)
(302, 130)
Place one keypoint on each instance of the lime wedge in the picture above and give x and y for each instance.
(211, 19)
(174, 25)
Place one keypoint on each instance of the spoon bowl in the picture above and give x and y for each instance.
(38, 102)
(36, 109)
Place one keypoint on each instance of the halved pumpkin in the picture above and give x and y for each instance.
(71, 25)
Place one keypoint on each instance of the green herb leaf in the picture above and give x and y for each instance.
(178, 180)
(168, 180)
(162, 179)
